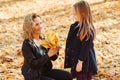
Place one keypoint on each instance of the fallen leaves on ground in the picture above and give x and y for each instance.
(57, 15)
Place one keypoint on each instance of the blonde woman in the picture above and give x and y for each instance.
(79, 51)
(37, 59)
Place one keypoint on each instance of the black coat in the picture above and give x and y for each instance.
(36, 60)
(79, 50)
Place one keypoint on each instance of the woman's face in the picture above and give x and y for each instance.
(38, 27)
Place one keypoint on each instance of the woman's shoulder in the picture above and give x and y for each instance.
(27, 42)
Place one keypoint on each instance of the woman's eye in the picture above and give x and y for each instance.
(37, 24)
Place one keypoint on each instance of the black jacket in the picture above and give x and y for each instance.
(79, 50)
(36, 60)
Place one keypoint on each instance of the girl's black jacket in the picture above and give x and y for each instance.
(79, 50)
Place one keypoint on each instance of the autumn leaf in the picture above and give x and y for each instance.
(51, 39)
(57, 15)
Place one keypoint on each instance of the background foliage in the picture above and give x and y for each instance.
(57, 15)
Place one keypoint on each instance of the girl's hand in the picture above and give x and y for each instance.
(79, 66)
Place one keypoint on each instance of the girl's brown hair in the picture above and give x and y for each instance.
(28, 26)
(83, 12)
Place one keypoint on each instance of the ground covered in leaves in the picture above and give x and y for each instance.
(57, 15)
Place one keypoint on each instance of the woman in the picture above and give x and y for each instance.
(37, 59)
(80, 54)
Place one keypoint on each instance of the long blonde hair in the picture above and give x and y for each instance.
(83, 12)
(28, 26)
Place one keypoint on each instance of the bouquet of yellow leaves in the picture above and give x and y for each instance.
(51, 39)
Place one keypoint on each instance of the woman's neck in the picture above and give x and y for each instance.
(36, 36)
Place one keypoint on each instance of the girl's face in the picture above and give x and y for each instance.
(38, 27)
(77, 15)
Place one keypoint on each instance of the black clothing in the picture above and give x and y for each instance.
(36, 62)
(79, 50)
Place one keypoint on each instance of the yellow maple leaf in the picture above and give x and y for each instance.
(51, 39)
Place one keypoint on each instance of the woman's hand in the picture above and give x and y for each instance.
(79, 66)
(53, 51)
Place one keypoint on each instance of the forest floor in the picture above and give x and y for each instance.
(58, 15)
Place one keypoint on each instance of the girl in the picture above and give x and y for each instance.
(37, 59)
(79, 51)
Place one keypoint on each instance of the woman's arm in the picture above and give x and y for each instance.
(30, 59)
(54, 57)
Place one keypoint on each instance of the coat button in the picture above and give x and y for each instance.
(66, 64)
(67, 48)
(72, 51)
(72, 59)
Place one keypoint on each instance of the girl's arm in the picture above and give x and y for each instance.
(85, 48)
(70, 36)
(84, 52)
